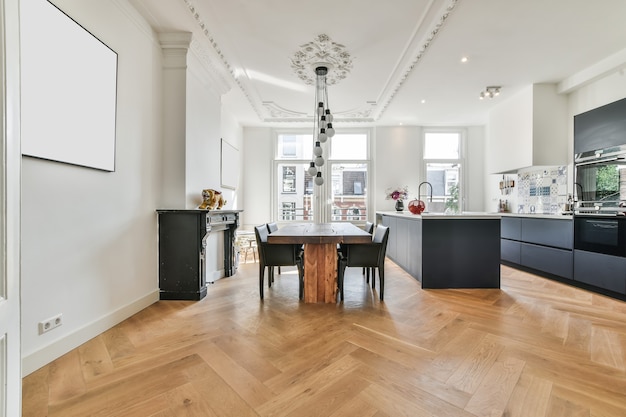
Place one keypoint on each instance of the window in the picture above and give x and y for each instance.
(349, 194)
(443, 162)
(289, 178)
(288, 148)
(288, 211)
(343, 197)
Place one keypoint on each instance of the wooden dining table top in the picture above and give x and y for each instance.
(320, 233)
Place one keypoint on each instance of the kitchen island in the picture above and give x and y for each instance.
(446, 250)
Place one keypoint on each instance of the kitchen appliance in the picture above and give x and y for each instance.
(600, 185)
(598, 234)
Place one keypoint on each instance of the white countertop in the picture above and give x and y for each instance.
(539, 216)
(463, 215)
(473, 215)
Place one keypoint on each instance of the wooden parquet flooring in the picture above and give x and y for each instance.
(534, 348)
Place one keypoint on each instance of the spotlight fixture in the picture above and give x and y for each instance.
(490, 92)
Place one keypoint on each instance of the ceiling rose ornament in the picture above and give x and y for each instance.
(322, 51)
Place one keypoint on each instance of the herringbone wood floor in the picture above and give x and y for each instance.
(534, 348)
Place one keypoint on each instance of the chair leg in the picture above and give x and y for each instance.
(340, 276)
(381, 277)
(261, 278)
(367, 275)
(374, 277)
(270, 276)
(301, 280)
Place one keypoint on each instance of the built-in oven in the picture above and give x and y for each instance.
(600, 181)
(600, 234)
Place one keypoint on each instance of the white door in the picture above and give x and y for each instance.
(10, 161)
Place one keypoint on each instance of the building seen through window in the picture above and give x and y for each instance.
(345, 171)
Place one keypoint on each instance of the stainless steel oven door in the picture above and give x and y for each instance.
(601, 186)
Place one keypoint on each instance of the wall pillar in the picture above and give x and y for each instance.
(175, 47)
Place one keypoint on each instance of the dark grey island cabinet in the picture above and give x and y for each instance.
(182, 246)
(446, 251)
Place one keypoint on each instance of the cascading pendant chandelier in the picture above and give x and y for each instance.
(322, 124)
(331, 63)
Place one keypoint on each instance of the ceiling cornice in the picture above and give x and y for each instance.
(423, 45)
(369, 112)
(255, 104)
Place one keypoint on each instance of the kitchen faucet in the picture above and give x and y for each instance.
(579, 195)
(419, 190)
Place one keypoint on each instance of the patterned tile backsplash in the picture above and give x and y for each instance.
(542, 191)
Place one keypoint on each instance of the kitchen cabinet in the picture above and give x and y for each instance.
(511, 251)
(528, 129)
(602, 271)
(600, 128)
(543, 244)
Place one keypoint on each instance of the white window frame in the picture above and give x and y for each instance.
(322, 205)
(462, 160)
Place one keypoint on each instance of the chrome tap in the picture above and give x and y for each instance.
(578, 196)
(419, 190)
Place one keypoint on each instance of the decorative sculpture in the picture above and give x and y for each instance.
(212, 200)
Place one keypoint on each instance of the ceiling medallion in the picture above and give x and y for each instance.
(322, 50)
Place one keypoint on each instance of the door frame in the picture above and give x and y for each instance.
(10, 185)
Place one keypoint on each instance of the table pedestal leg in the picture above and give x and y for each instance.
(320, 272)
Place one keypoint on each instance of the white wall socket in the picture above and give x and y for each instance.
(51, 323)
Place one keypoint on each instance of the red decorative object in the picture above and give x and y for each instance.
(417, 206)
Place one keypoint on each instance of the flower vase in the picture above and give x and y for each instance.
(399, 205)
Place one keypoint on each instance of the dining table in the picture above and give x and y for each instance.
(320, 242)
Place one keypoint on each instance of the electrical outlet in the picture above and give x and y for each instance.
(51, 323)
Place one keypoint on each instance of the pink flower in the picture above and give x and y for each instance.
(398, 193)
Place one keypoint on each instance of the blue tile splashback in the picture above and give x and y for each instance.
(542, 190)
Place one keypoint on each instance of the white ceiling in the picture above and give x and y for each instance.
(402, 51)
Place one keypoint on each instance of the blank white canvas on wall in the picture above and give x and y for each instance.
(69, 86)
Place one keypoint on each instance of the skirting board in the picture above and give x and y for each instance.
(35, 360)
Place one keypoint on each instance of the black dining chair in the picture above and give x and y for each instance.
(271, 228)
(367, 255)
(369, 228)
(271, 255)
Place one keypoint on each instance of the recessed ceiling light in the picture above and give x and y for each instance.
(464, 59)
(423, 100)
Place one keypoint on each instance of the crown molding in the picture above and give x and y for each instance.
(218, 55)
(422, 48)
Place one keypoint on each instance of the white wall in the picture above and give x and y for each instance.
(397, 160)
(257, 176)
(475, 171)
(202, 169)
(89, 238)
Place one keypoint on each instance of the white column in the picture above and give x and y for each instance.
(175, 47)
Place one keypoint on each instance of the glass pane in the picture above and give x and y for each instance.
(348, 146)
(289, 178)
(441, 145)
(444, 179)
(349, 192)
(295, 192)
(294, 147)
